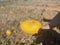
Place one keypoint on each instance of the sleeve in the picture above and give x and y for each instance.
(55, 21)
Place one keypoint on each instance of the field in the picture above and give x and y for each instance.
(13, 12)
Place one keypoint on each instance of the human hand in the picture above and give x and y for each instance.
(46, 26)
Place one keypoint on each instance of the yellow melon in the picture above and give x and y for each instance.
(8, 32)
(56, 28)
(30, 26)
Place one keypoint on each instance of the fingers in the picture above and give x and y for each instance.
(46, 26)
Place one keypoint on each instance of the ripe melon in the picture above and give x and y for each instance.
(30, 26)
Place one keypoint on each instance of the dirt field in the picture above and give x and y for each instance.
(13, 12)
